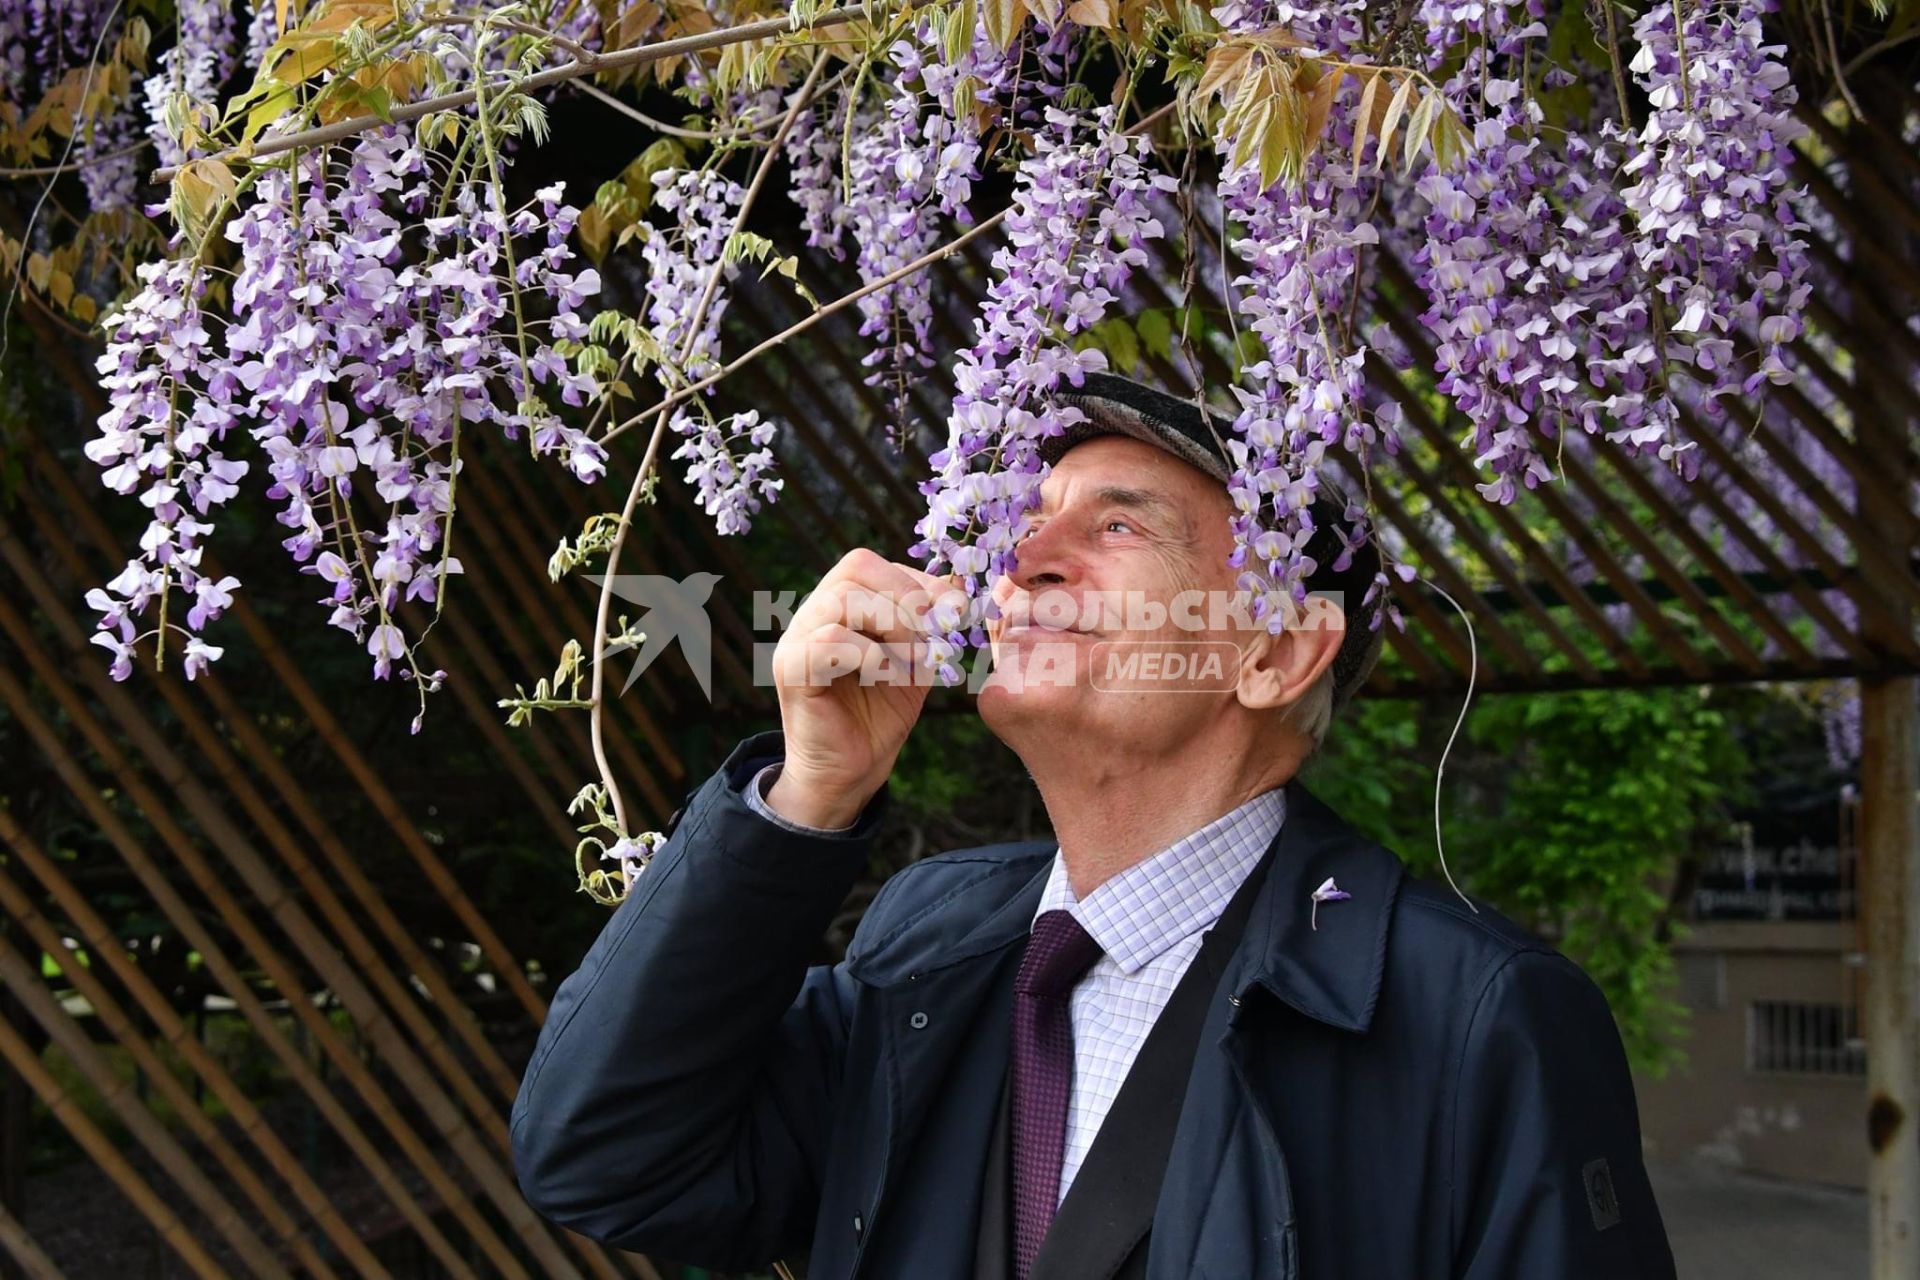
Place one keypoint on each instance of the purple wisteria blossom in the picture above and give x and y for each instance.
(682, 258)
(1086, 189)
(163, 441)
(1501, 346)
(195, 66)
(913, 154)
(1300, 249)
(354, 367)
(1327, 892)
(1571, 279)
(41, 41)
(1717, 230)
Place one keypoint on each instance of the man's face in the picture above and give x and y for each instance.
(1115, 627)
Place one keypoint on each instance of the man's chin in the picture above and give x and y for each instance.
(1007, 700)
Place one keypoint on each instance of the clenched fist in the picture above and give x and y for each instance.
(851, 685)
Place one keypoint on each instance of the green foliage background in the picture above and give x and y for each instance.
(1573, 813)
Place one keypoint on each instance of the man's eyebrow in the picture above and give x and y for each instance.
(1138, 500)
(1144, 500)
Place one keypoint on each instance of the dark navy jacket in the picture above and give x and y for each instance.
(1413, 1091)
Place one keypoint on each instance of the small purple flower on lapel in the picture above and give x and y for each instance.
(1327, 892)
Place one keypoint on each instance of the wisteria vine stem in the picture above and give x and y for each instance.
(597, 713)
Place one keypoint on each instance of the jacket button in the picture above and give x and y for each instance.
(918, 1021)
(858, 1225)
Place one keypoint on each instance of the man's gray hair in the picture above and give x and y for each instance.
(1312, 714)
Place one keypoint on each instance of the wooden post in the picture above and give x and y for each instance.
(1889, 826)
(1889, 896)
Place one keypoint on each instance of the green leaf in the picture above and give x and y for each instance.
(1004, 19)
(1417, 125)
(1156, 333)
(379, 101)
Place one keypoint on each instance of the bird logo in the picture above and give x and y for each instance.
(672, 609)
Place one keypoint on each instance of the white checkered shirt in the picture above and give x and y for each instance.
(1148, 920)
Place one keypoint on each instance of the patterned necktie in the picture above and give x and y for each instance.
(1058, 954)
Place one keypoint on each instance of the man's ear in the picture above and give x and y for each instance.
(1278, 670)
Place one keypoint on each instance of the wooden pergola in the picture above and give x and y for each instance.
(340, 930)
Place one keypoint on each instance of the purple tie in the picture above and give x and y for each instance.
(1058, 954)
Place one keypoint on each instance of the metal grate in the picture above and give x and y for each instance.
(1804, 1037)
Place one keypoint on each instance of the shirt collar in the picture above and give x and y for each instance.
(1138, 914)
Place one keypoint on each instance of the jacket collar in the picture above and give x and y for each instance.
(986, 907)
(1331, 973)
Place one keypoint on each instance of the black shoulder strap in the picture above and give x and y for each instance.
(1109, 1208)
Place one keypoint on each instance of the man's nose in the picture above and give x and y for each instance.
(1045, 558)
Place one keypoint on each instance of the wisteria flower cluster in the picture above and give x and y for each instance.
(913, 165)
(1085, 190)
(354, 370)
(41, 42)
(1716, 231)
(1300, 249)
(686, 299)
(1501, 347)
(194, 67)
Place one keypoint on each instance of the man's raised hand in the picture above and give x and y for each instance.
(851, 685)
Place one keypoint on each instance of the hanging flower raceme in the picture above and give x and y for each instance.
(728, 459)
(892, 221)
(1500, 352)
(1299, 246)
(354, 371)
(1716, 229)
(1602, 298)
(193, 67)
(42, 43)
(912, 156)
(162, 440)
(1299, 252)
(1078, 229)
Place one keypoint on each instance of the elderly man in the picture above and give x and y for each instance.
(1208, 1031)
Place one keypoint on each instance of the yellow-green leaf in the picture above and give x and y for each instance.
(1417, 125)
(1320, 104)
(593, 232)
(338, 15)
(1283, 150)
(1253, 129)
(960, 27)
(1225, 64)
(198, 188)
(1363, 120)
(1449, 138)
(1004, 19)
(1091, 13)
(278, 100)
(1395, 110)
